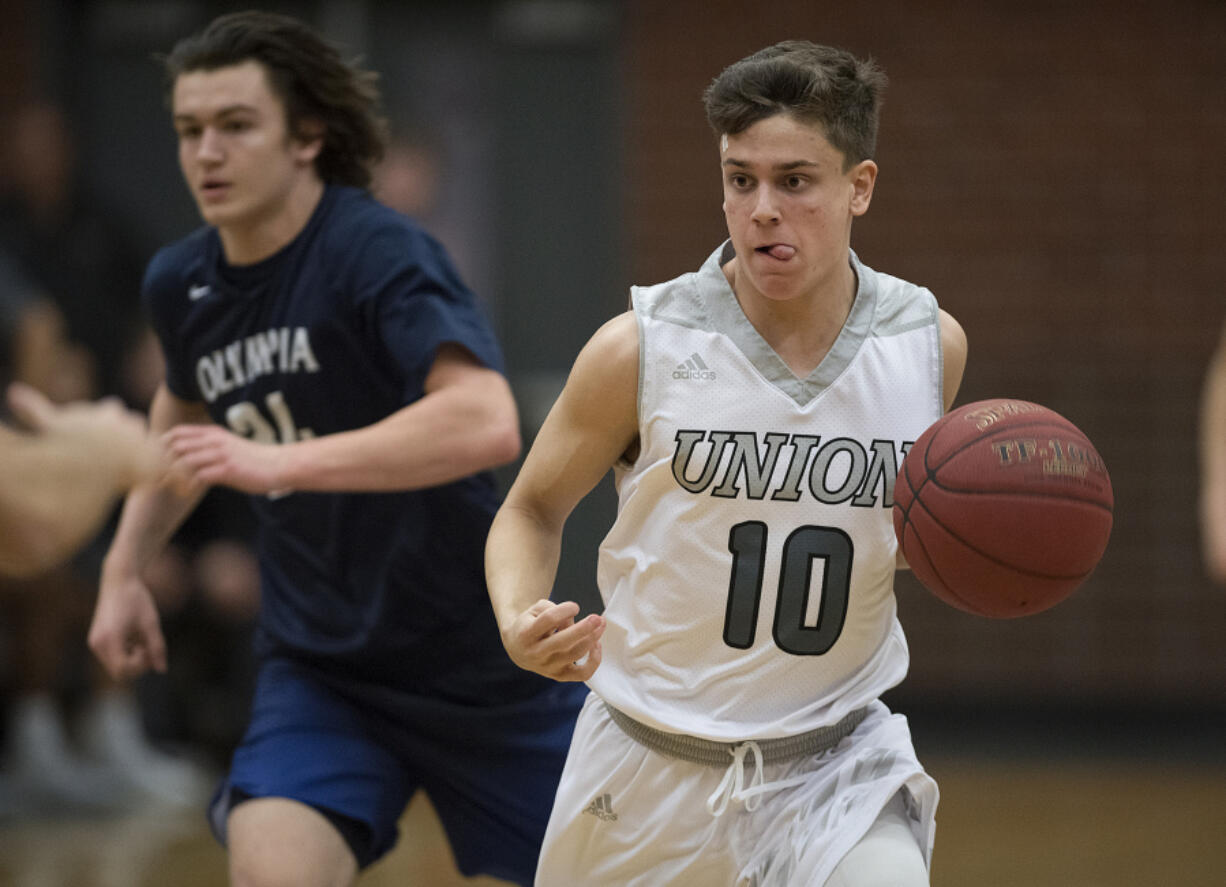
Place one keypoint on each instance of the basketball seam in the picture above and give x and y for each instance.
(992, 558)
(1023, 494)
(906, 521)
(944, 585)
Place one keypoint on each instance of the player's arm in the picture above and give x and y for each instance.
(465, 422)
(953, 361)
(953, 357)
(1213, 464)
(59, 483)
(125, 634)
(592, 424)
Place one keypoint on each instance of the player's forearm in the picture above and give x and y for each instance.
(445, 436)
(150, 517)
(521, 561)
(153, 512)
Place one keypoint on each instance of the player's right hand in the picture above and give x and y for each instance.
(546, 639)
(126, 634)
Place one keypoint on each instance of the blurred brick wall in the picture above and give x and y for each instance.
(16, 53)
(1054, 172)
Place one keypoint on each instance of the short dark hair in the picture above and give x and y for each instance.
(308, 75)
(814, 83)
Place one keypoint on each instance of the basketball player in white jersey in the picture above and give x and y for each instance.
(755, 413)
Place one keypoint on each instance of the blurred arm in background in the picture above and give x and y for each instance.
(1213, 465)
(59, 484)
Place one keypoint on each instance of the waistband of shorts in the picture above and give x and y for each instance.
(716, 754)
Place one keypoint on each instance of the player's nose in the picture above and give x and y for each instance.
(765, 205)
(209, 147)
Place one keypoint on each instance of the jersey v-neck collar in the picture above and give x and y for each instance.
(725, 316)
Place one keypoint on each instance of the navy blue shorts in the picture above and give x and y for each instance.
(358, 754)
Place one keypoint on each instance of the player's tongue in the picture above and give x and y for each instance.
(780, 250)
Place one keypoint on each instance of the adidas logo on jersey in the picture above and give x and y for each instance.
(694, 369)
(602, 808)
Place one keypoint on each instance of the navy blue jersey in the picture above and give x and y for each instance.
(334, 332)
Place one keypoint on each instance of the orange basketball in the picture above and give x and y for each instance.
(1002, 508)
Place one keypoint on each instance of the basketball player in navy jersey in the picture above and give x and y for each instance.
(323, 356)
(754, 413)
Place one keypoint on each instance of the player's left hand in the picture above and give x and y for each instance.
(546, 639)
(210, 454)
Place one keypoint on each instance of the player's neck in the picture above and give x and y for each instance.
(251, 240)
(800, 330)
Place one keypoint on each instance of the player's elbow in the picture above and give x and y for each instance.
(484, 436)
(497, 419)
(511, 445)
(503, 443)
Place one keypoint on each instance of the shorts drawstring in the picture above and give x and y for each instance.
(732, 787)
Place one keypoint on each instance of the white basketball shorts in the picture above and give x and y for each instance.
(628, 816)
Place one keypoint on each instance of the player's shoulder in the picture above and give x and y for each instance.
(608, 363)
(898, 305)
(679, 296)
(689, 299)
(355, 217)
(603, 383)
(364, 237)
(616, 342)
(175, 266)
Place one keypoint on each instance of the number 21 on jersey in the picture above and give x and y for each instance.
(246, 419)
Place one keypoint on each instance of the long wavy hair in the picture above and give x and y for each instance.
(314, 83)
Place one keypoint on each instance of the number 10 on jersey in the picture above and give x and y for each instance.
(792, 633)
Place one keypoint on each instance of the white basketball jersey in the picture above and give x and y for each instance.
(748, 577)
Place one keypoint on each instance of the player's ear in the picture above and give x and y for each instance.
(861, 179)
(310, 139)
